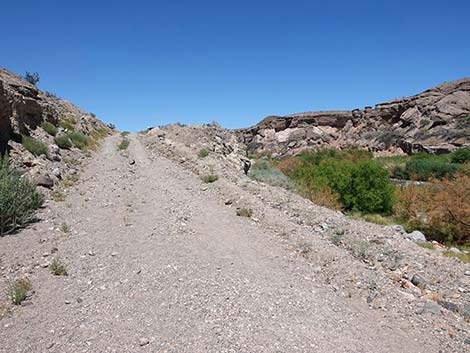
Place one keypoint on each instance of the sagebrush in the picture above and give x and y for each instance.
(19, 199)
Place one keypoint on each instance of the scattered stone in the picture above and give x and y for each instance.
(143, 341)
(44, 180)
(398, 228)
(114, 253)
(467, 273)
(418, 281)
(79, 300)
(132, 162)
(449, 306)
(91, 253)
(465, 311)
(430, 307)
(455, 251)
(415, 236)
(228, 202)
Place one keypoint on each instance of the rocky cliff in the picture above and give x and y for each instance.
(436, 120)
(23, 109)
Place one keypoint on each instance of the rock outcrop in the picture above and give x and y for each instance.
(436, 121)
(23, 108)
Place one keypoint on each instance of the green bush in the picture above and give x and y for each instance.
(34, 146)
(68, 124)
(362, 184)
(49, 128)
(203, 153)
(19, 199)
(123, 145)
(79, 140)
(210, 178)
(63, 141)
(32, 77)
(462, 155)
(424, 169)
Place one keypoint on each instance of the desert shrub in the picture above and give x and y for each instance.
(34, 146)
(99, 133)
(63, 141)
(125, 133)
(18, 290)
(49, 128)
(203, 153)
(209, 178)
(51, 94)
(289, 164)
(123, 145)
(19, 199)
(245, 212)
(68, 124)
(359, 183)
(462, 155)
(424, 169)
(264, 172)
(58, 268)
(79, 140)
(439, 209)
(32, 77)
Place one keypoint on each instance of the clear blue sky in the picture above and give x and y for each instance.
(140, 63)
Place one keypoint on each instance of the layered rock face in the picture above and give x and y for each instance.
(436, 121)
(23, 108)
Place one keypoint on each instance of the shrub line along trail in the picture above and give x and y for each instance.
(158, 265)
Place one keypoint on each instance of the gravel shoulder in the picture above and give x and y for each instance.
(158, 262)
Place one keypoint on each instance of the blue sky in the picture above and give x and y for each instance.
(142, 63)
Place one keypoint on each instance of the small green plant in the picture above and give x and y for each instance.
(203, 153)
(34, 146)
(17, 291)
(123, 145)
(51, 95)
(57, 196)
(125, 133)
(19, 198)
(245, 212)
(79, 140)
(58, 268)
(360, 249)
(70, 180)
(65, 228)
(462, 257)
(63, 141)
(68, 124)
(337, 237)
(32, 77)
(93, 115)
(424, 245)
(210, 178)
(49, 128)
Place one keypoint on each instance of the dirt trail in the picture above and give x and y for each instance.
(157, 265)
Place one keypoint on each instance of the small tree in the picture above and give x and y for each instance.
(32, 78)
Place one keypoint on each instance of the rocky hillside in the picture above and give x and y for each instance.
(24, 109)
(436, 120)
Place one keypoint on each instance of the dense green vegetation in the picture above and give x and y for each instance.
(354, 181)
(19, 198)
(423, 166)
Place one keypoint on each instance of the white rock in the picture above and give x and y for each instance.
(415, 236)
